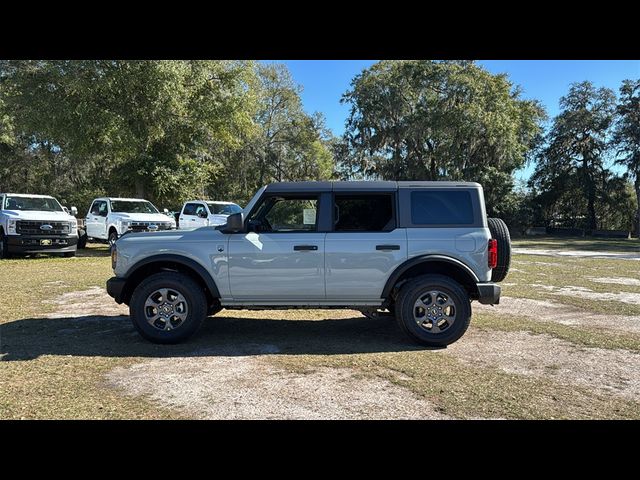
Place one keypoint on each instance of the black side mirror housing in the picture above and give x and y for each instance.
(235, 223)
(202, 214)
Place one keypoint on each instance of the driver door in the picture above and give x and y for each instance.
(96, 221)
(281, 258)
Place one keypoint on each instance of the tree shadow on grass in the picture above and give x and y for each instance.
(114, 336)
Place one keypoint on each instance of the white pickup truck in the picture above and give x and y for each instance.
(36, 223)
(109, 218)
(202, 213)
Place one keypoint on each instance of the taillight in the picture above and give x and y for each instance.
(493, 253)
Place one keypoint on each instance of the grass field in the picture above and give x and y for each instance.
(60, 349)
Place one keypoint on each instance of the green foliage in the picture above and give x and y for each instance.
(626, 136)
(164, 130)
(433, 120)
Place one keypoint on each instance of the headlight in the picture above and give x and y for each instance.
(12, 226)
(125, 225)
(73, 226)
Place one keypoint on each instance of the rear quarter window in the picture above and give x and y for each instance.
(441, 207)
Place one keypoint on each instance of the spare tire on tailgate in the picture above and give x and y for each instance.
(500, 232)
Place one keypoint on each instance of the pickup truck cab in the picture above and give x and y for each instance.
(416, 251)
(36, 224)
(109, 218)
(202, 213)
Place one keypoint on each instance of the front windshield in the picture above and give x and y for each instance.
(223, 208)
(130, 206)
(41, 204)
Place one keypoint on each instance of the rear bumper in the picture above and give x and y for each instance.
(42, 243)
(488, 293)
(115, 288)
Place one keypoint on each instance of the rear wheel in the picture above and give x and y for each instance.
(167, 307)
(433, 310)
(500, 232)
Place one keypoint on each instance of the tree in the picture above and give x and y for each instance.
(150, 127)
(286, 143)
(432, 120)
(576, 146)
(626, 135)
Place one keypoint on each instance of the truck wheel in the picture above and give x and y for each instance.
(500, 232)
(167, 307)
(433, 310)
(82, 238)
(4, 246)
(113, 236)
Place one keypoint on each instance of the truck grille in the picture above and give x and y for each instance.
(32, 227)
(144, 226)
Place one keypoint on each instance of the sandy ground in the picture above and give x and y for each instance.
(232, 382)
(236, 386)
(615, 372)
(576, 253)
(547, 311)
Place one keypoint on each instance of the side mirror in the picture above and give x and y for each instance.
(202, 214)
(165, 211)
(74, 211)
(235, 223)
(104, 214)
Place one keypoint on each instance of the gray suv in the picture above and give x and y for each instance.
(416, 251)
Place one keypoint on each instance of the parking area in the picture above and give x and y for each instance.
(563, 343)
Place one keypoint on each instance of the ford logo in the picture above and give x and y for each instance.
(46, 227)
(152, 227)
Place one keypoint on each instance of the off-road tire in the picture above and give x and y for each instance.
(413, 290)
(500, 232)
(183, 284)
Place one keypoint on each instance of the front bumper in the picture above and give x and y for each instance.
(42, 243)
(488, 293)
(115, 287)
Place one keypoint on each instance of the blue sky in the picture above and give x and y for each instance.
(324, 81)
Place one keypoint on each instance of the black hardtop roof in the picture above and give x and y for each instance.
(288, 187)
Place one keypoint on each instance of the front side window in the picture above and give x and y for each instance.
(190, 209)
(128, 206)
(281, 214)
(363, 213)
(441, 207)
(41, 204)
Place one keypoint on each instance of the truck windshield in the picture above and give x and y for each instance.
(41, 204)
(129, 206)
(223, 208)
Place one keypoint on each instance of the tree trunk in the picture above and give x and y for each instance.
(591, 195)
(433, 171)
(139, 188)
(637, 187)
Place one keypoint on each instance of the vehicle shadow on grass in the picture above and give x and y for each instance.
(115, 336)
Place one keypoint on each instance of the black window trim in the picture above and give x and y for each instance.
(356, 193)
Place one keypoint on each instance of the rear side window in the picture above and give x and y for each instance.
(363, 213)
(441, 207)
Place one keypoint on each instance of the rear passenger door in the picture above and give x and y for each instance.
(365, 245)
(190, 217)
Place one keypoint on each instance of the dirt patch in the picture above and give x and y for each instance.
(583, 292)
(616, 280)
(237, 385)
(577, 253)
(616, 372)
(546, 311)
(91, 302)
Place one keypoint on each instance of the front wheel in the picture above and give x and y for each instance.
(433, 310)
(4, 246)
(113, 236)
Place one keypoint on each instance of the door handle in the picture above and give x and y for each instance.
(305, 247)
(387, 247)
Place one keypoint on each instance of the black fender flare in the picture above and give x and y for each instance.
(412, 262)
(180, 260)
